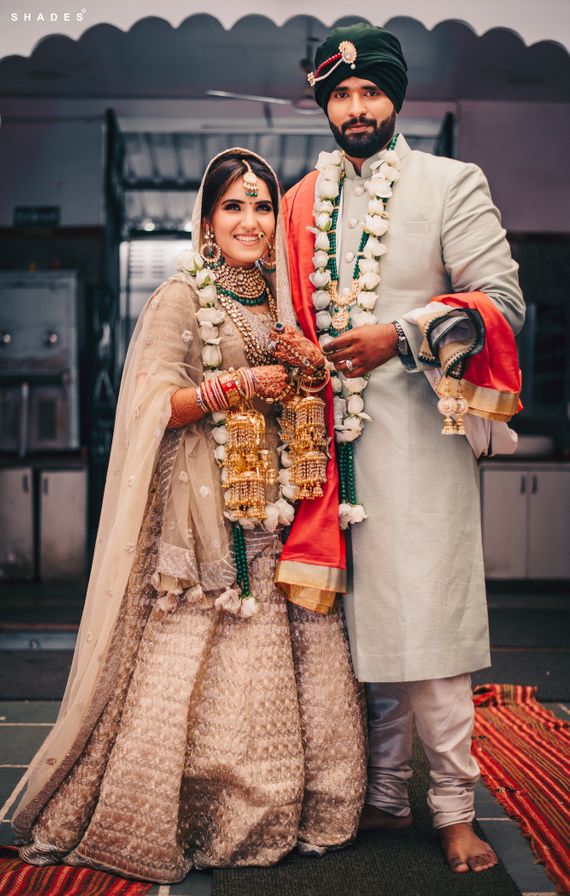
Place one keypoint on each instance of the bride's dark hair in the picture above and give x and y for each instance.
(225, 171)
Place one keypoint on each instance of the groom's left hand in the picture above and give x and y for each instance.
(366, 347)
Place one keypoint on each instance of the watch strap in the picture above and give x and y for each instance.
(403, 349)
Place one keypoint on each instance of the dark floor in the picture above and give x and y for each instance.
(530, 637)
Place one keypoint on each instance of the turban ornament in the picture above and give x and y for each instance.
(347, 53)
(363, 51)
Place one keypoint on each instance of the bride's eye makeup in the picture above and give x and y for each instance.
(233, 205)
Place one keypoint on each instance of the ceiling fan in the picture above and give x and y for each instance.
(304, 103)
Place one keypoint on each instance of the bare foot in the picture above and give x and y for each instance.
(464, 850)
(373, 819)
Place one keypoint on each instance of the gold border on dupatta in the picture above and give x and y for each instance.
(312, 587)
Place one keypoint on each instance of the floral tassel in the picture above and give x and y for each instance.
(350, 511)
(249, 604)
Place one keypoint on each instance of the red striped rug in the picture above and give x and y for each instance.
(19, 879)
(523, 751)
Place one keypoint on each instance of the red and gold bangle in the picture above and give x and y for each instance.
(218, 394)
(212, 396)
(231, 390)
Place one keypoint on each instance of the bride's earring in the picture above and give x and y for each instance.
(210, 250)
(267, 260)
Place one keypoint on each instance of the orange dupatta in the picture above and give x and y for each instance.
(312, 568)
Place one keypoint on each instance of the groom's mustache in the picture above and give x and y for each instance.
(349, 124)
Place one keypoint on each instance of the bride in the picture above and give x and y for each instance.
(207, 720)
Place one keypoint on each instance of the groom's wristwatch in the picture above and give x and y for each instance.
(403, 349)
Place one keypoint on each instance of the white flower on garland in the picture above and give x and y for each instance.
(249, 607)
(189, 261)
(350, 514)
(210, 315)
(321, 299)
(333, 158)
(320, 279)
(349, 406)
(322, 241)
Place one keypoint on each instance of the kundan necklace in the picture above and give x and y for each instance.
(336, 313)
(246, 285)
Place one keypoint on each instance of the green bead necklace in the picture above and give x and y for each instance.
(242, 574)
(244, 300)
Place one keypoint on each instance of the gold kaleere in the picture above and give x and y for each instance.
(302, 417)
(287, 419)
(247, 469)
(308, 447)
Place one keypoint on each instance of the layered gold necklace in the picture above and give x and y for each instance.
(246, 285)
(256, 352)
(237, 286)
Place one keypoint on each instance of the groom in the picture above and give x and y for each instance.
(398, 227)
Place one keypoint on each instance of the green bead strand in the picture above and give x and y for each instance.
(242, 575)
(257, 300)
(342, 472)
(350, 477)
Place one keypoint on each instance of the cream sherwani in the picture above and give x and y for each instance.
(416, 608)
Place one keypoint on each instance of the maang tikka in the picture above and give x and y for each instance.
(250, 181)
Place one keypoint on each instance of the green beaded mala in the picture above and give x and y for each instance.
(242, 574)
(256, 300)
(346, 477)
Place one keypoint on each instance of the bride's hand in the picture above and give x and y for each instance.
(271, 381)
(290, 347)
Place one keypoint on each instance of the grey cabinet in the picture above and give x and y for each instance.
(63, 524)
(43, 523)
(549, 524)
(526, 520)
(16, 523)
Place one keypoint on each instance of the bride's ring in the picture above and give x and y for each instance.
(348, 364)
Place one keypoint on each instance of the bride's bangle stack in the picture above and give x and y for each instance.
(227, 391)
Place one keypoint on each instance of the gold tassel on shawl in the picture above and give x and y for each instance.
(452, 409)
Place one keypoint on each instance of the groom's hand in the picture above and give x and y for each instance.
(365, 347)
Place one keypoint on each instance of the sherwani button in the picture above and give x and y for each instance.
(358, 190)
(349, 256)
(353, 223)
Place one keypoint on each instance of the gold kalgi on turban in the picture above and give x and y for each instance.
(364, 51)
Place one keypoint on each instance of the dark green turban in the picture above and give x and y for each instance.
(378, 59)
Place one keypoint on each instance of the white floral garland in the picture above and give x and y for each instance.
(210, 317)
(349, 412)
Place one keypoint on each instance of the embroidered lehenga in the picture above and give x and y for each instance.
(189, 736)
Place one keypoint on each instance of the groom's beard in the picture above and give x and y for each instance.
(363, 146)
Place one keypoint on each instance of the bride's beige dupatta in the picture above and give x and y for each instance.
(164, 355)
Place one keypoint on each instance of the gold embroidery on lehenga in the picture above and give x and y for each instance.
(210, 739)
